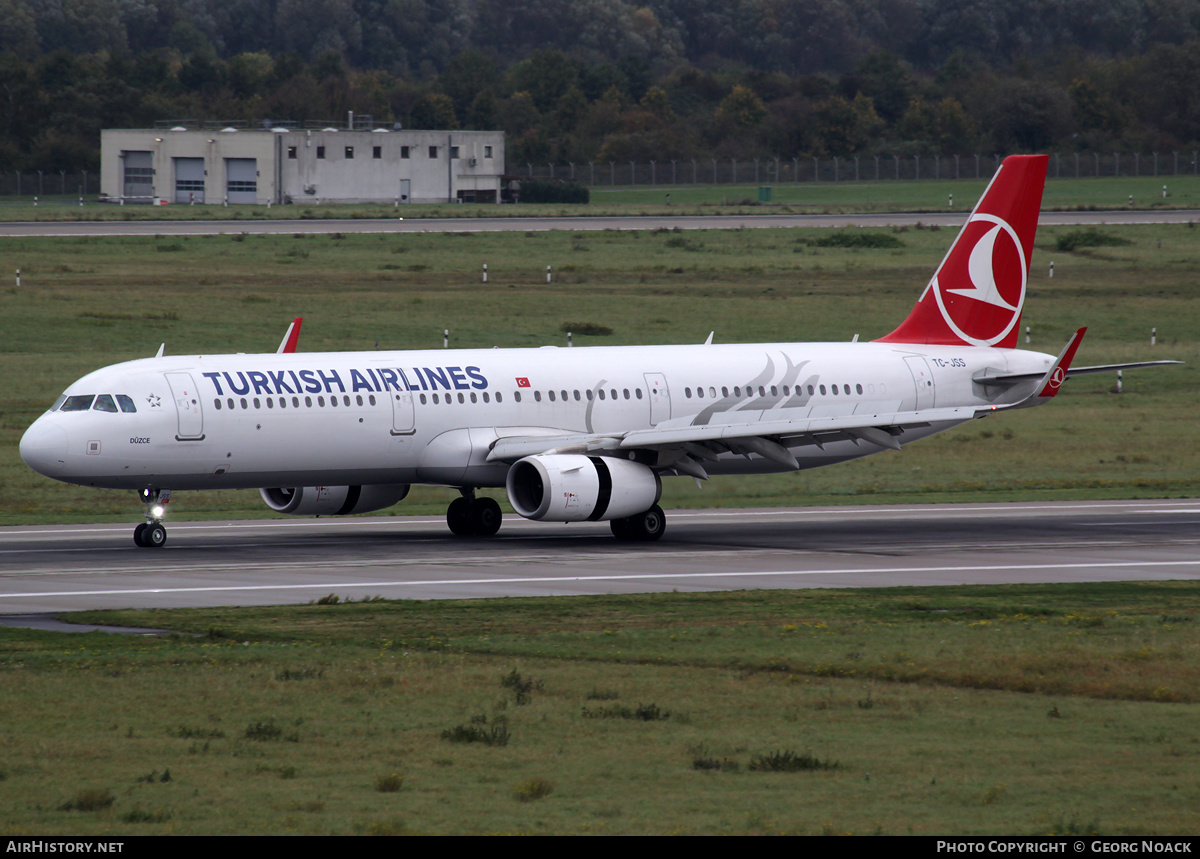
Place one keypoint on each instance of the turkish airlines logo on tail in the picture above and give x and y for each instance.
(981, 288)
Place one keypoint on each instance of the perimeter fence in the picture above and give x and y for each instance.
(869, 168)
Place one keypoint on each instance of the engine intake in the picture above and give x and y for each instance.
(332, 500)
(578, 488)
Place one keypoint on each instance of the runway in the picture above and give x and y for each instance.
(60, 568)
(402, 225)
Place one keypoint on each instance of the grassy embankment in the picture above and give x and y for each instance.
(1067, 709)
(1026, 709)
(84, 303)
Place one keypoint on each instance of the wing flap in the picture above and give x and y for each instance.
(761, 437)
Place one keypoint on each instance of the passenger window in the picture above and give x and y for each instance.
(552, 396)
(217, 403)
(78, 403)
(126, 403)
(104, 403)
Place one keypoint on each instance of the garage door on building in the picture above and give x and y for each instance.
(241, 180)
(189, 180)
(138, 181)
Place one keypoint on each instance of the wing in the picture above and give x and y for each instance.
(684, 447)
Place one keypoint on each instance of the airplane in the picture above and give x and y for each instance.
(573, 435)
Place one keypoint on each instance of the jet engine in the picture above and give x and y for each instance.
(577, 488)
(332, 500)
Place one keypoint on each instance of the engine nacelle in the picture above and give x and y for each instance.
(578, 488)
(332, 500)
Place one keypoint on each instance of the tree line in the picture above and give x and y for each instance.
(610, 80)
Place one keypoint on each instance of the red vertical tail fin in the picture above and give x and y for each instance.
(976, 294)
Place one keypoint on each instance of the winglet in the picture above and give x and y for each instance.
(1051, 380)
(288, 344)
(1057, 374)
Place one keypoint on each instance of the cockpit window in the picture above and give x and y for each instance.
(126, 403)
(62, 398)
(77, 403)
(104, 403)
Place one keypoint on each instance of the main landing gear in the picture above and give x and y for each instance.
(643, 527)
(151, 534)
(469, 516)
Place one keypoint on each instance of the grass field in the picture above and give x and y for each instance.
(87, 302)
(1024, 710)
(1126, 192)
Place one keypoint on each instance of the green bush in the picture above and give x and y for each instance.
(1089, 238)
(553, 191)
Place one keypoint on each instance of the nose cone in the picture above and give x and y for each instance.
(44, 447)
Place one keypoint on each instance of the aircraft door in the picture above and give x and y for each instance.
(660, 398)
(187, 406)
(923, 381)
(403, 418)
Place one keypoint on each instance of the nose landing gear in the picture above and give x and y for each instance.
(151, 534)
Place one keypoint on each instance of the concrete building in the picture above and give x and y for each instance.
(190, 165)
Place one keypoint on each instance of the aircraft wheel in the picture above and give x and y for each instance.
(649, 526)
(155, 535)
(139, 534)
(458, 517)
(620, 528)
(485, 517)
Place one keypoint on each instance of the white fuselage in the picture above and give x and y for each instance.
(303, 419)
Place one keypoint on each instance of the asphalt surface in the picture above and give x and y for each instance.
(621, 222)
(59, 568)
